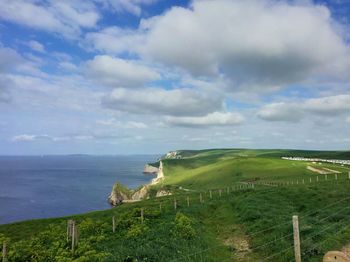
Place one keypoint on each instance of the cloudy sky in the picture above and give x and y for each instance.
(149, 76)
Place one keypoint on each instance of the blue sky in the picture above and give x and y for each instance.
(149, 76)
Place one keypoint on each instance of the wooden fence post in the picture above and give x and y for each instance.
(317, 179)
(69, 229)
(73, 235)
(142, 215)
(4, 252)
(113, 224)
(175, 204)
(325, 177)
(303, 181)
(210, 194)
(188, 201)
(296, 239)
(336, 176)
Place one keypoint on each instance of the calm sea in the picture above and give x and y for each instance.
(50, 186)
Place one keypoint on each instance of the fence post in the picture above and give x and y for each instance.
(310, 180)
(317, 179)
(113, 224)
(73, 235)
(4, 252)
(142, 215)
(210, 194)
(175, 204)
(296, 239)
(336, 176)
(220, 192)
(188, 201)
(303, 181)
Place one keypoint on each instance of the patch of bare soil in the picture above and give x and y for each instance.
(332, 171)
(323, 171)
(240, 247)
(346, 250)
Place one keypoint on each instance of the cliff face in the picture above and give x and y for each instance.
(160, 174)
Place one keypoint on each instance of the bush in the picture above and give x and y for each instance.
(183, 226)
(136, 230)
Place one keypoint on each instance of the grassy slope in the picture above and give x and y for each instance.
(231, 219)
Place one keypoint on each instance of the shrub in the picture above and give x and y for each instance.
(136, 230)
(183, 226)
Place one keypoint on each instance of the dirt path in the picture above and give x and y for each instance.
(323, 171)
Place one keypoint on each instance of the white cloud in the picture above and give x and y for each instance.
(131, 6)
(119, 124)
(70, 137)
(68, 66)
(9, 59)
(115, 39)
(176, 102)
(249, 42)
(328, 105)
(325, 106)
(281, 112)
(116, 72)
(26, 137)
(212, 119)
(36, 46)
(62, 17)
(5, 96)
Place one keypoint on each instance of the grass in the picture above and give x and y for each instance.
(243, 224)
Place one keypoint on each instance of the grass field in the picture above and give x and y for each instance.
(243, 224)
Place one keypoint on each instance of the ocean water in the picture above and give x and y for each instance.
(50, 186)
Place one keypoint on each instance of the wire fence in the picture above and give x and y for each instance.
(180, 201)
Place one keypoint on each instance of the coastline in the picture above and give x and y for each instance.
(121, 194)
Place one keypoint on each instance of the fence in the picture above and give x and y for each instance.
(199, 198)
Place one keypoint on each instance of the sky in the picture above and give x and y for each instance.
(150, 76)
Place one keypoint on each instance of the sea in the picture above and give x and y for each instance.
(34, 187)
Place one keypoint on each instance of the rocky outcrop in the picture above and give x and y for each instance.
(122, 194)
(142, 193)
(148, 169)
(162, 193)
(119, 194)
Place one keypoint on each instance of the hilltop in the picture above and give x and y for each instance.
(231, 205)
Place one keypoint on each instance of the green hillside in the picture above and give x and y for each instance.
(245, 215)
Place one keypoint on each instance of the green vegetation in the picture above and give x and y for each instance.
(242, 224)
